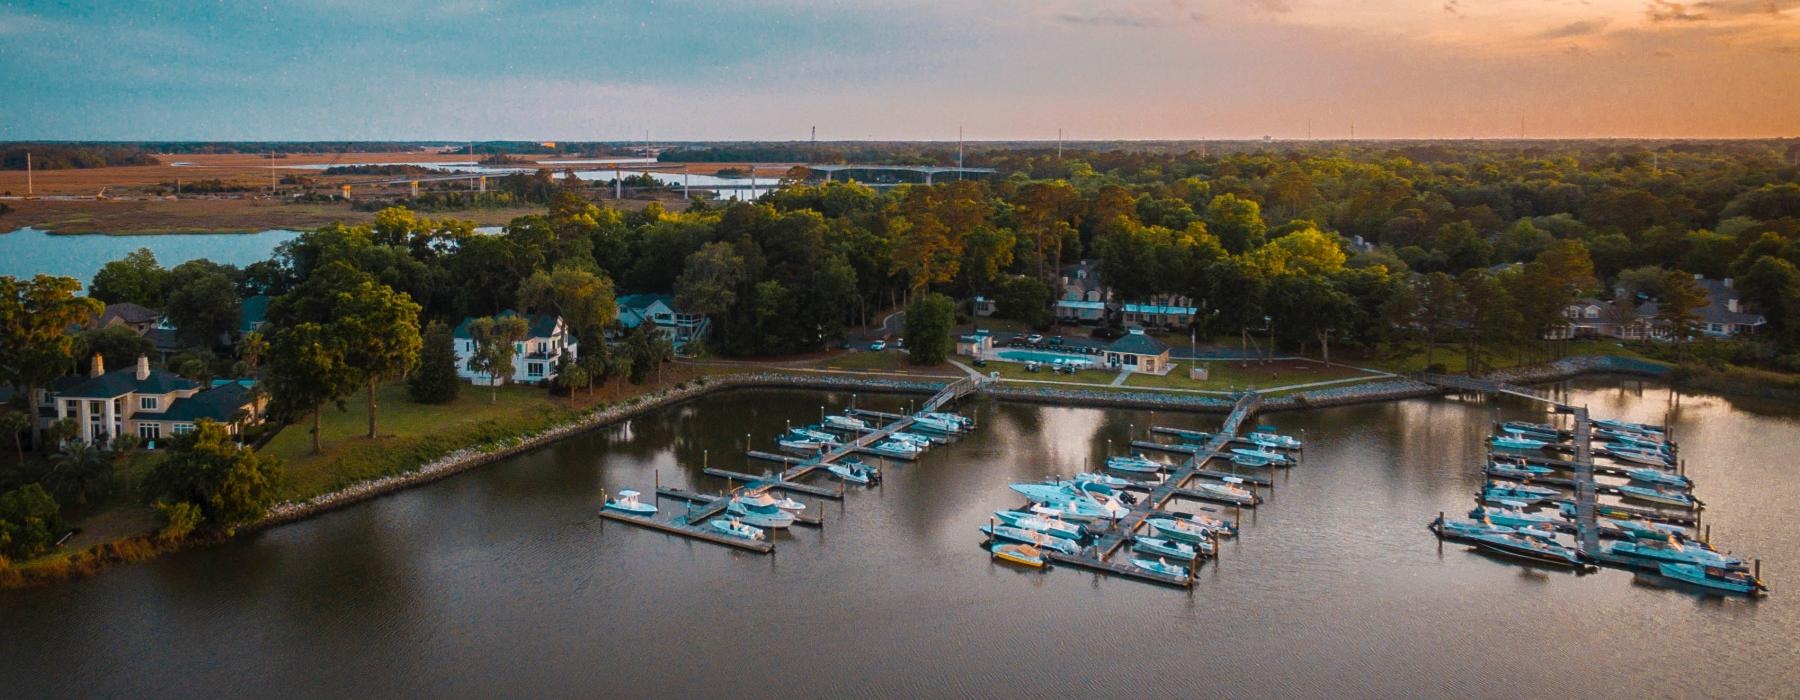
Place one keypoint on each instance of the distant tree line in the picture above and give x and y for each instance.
(46, 156)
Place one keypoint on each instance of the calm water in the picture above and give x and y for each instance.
(28, 251)
(501, 582)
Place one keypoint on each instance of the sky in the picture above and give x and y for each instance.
(897, 69)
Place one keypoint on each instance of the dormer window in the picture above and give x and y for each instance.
(148, 403)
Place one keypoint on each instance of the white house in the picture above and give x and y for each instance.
(659, 310)
(153, 404)
(534, 358)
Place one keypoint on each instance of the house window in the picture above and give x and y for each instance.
(182, 428)
(150, 431)
(534, 369)
(147, 403)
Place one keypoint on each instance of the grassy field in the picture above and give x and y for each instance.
(889, 360)
(1455, 361)
(1229, 375)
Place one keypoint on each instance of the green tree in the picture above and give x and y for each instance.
(29, 522)
(306, 370)
(252, 348)
(495, 341)
(648, 350)
(1025, 299)
(231, 485)
(435, 380)
(1772, 286)
(137, 278)
(1236, 221)
(710, 279)
(194, 364)
(571, 376)
(35, 348)
(80, 472)
(14, 424)
(1681, 297)
(118, 346)
(928, 324)
(379, 329)
(203, 303)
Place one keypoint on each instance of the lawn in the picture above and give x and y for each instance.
(1455, 361)
(1228, 375)
(411, 434)
(889, 360)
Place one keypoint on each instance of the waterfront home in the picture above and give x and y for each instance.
(152, 404)
(138, 318)
(660, 311)
(1596, 318)
(1723, 316)
(1085, 298)
(534, 358)
(1138, 352)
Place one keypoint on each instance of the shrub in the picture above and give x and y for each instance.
(178, 520)
(29, 521)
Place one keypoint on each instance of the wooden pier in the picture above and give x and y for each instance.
(703, 507)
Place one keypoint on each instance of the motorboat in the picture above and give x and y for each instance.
(959, 421)
(1659, 477)
(1219, 527)
(1510, 514)
(1046, 522)
(852, 472)
(1538, 549)
(1629, 453)
(813, 433)
(1251, 460)
(1274, 440)
(1179, 530)
(896, 448)
(1275, 458)
(1645, 442)
(1726, 580)
(1161, 566)
(1516, 470)
(1675, 552)
(731, 526)
(1226, 493)
(1137, 463)
(1466, 529)
(923, 441)
(1106, 479)
(802, 445)
(846, 423)
(1514, 442)
(935, 424)
(1067, 503)
(1645, 530)
(628, 502)
(1170, 548)
(1018, 554)
(1528, 494)
(789, 504)
(1023, 536)
(1651, 494)
(1639, 428)
(759, 510)
(1538, 431)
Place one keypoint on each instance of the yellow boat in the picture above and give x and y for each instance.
(1019, 554)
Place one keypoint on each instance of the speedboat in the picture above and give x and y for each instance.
(1045, 521)
(1511, 515)
(1274, 440)
(731, 526)
(896, 448)
(628, 502)
(1019, 554)
(1715, 578)
(1639, 428)
(1227, 493)
(1658, 477)
(1276, 458)
(1169, 548)
(1466, 529)
(788, 504)
(1024, 536)
(813, 433)
(959, 421)
(846, 423)
(852, 472)
(1657, 495)
(1106, 479)
(802, 445)
(1134, 463)
(1646, 442)
(922, 441)
(1539, 492)
(1219, 527)
(1675, 552)
(1066, 502)
(1161, 566)
(1515, 470)
(1514, 442)
(1250, 460)
(1644, 529)
(759, 510)
(1629, 453)
(1537, 549)
(1538, 431)
(1179, 530)
(933, 423)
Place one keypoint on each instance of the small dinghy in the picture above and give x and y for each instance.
(1024, 554)
(1137, 463)
(731, 526)
(1161, 566)
(628, 502)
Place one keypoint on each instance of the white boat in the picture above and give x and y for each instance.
(1657, 495)
(628, 502)
(1227, 493)
(759, 510)
(923, 441)
(731, 526)
(846, 423)
(897, 448)
(853, 472)
(1274, 440)
(930, 423)
(1261, 453)
(801, 445)
(790, 505)
(1137, 463)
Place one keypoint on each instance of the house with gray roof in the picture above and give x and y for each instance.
(1137, 352)
(534, 358)
(660, 312)
(152, 404)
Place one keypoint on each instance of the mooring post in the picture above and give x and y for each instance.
(658, 478)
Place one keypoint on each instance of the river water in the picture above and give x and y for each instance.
(28, 251)
(500, 582)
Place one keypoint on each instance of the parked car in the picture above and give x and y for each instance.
(1017, 341)
(1031, 366)
(1056, 341)
(980, 362)
(1034, 339)
(878, 345)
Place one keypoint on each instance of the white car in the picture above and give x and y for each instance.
(878, 345)
(1034, 338)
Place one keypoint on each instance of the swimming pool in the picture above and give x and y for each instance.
(1044, 357)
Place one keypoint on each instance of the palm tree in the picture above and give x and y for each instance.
(16, 423)
(252, 347)
(81, 470)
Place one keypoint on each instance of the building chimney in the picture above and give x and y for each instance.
(143, 368)
(97, 366)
